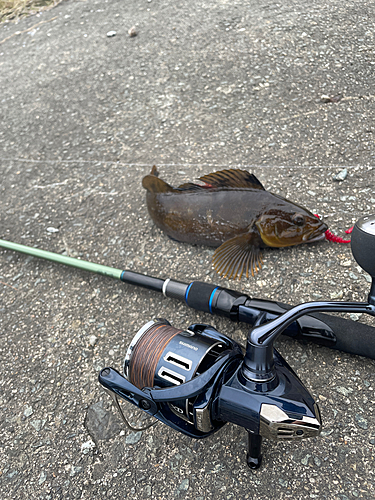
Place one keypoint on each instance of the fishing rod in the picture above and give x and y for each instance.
(329, 331)
(196, 380)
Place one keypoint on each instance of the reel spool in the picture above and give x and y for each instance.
(161, 355)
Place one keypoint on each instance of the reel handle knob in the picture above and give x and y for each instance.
(363, 248)
(363, 243)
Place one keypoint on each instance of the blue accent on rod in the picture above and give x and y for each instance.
(187, 293)
(211, 299)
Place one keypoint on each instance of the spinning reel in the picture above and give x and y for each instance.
(196, 380)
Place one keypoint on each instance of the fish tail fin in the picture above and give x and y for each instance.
(155, 185)
(154, 171)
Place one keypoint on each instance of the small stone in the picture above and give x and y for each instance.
(111, 33)
(337, 295)
(327, 98)
(52, 230)
(341, 176)
(283, 482)
(345, 391)
(42, 477)
(133, 437)
(326, 432)
(28, 411)
(38, 424)
(111, 352)
(346, 263)
(361, 421)
(184, 485)
(305, 459)
(75, 470)
(87, 447)
(353, 276)
(92, 340)
(101, 424)
(355, 316)
(132, 32)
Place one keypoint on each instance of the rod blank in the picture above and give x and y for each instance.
(63, 259)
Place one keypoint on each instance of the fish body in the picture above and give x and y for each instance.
(230, 210)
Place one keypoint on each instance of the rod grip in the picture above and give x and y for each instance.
(351, 336)
(214, 299)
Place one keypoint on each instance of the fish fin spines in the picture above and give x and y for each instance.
(233, 178)
(237, 256)
(190, 186)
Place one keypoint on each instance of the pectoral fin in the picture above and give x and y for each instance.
(237, 256)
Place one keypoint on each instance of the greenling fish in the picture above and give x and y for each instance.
(230, 210)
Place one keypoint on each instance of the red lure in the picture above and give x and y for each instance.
(332, 237)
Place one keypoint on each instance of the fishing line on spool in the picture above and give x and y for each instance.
(146, 354)
(142, 359)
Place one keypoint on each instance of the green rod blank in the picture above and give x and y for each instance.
(63, 259)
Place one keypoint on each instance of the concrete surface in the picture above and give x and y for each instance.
(83, 117)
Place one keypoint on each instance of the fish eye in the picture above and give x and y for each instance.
(298, 219)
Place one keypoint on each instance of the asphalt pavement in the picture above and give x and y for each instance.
(284, 90)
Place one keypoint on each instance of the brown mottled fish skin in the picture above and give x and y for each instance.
(230, 210)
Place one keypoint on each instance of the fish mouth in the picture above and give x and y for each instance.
(317, 235)
(320, 237)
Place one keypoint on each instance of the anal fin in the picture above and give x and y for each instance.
(237, 256)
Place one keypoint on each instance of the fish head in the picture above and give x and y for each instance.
(285, 228)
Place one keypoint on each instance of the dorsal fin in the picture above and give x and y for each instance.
(226, 178)
(153, 184)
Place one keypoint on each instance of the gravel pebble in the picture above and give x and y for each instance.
(92, 340)
(361, 421)
(28, 411)
(341, 176)
(133, 437)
